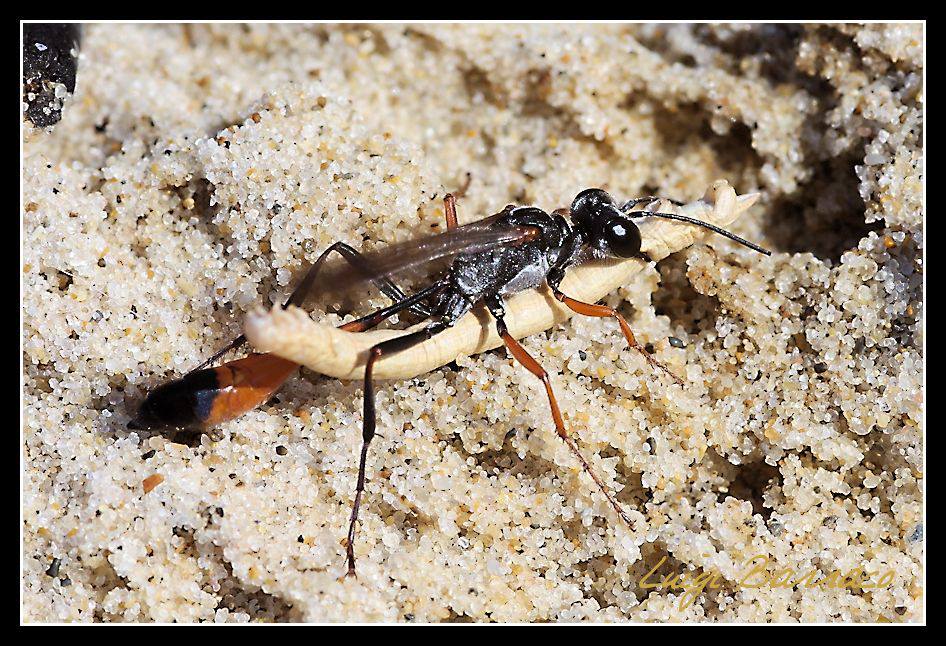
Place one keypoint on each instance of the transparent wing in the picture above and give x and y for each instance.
(336, 281)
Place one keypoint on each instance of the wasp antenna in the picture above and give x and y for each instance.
(701, 223)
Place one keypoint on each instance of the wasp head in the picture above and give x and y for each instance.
(605, 227)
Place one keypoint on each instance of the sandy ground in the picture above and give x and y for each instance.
(197, 169)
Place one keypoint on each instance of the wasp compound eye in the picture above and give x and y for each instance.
(623, 237)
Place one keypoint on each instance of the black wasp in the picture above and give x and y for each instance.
(519, 248)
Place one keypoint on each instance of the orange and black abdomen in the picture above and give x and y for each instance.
(208, 397)
(245, 384)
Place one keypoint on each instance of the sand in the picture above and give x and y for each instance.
(198, 169)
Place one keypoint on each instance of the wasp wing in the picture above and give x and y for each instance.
(334, 281)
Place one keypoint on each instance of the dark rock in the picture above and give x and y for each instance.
(50, 58)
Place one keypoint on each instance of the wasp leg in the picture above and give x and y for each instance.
(590, 309)
(450, 202)
(522, 356)
(355, 259)
(630, 204)
(370, 320)
(369, 421)
(450, 210)
(233, 345)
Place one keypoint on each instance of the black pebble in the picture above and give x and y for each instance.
(48, 60)
(53, 569)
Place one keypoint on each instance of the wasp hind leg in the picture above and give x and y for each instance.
(354, 258)
(369, 418)
(385, 285)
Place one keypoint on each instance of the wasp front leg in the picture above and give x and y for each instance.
(554, 279)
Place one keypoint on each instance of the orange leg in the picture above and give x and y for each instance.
(450, 203)
(523, 357)
(450, 210)
(589, 309)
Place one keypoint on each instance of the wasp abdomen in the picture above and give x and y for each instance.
(211, 396)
